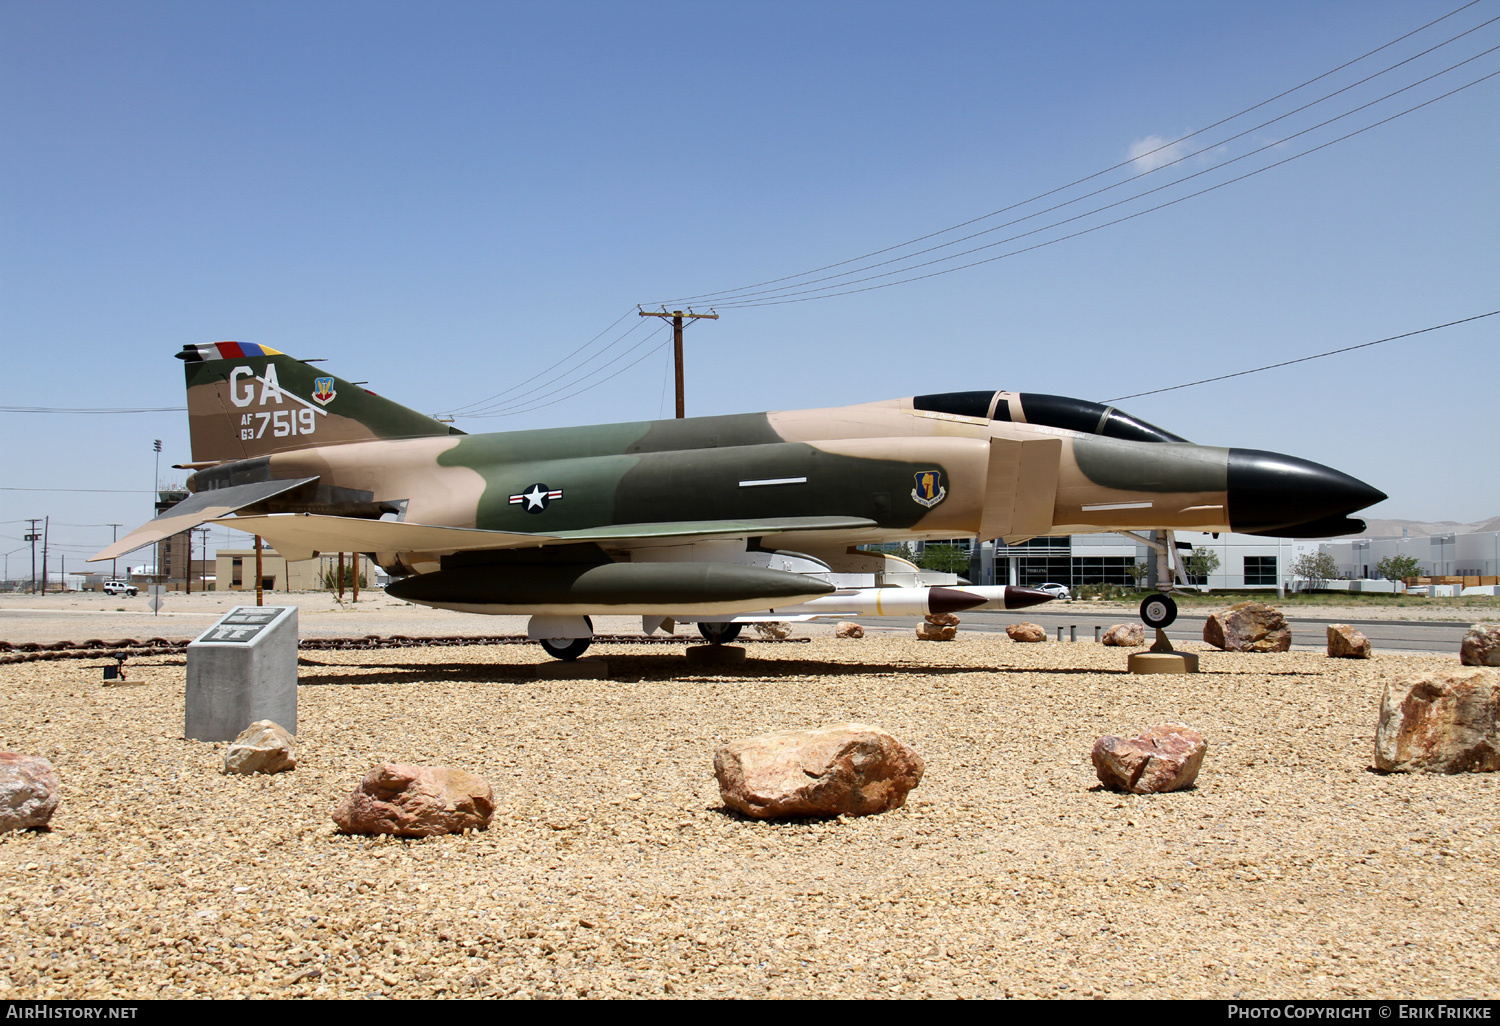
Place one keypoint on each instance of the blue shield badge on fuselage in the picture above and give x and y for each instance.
(929, 490)
(323, 391)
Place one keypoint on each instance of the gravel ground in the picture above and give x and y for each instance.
(611, 868)
(75, 616)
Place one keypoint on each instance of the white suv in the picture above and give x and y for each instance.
(121, 588)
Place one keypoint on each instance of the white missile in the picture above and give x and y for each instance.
(915, 601)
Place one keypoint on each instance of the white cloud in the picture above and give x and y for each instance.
(1152, 152)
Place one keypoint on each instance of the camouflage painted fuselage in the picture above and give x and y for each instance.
(274, 436)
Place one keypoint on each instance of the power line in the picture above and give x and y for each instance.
(546, 370)
(531, 399)
(745, 297)
(92, 409)
(561, 380)
(828, 292)
(1304, 359)
(540, 405)
(1087, 178)
(113, 491)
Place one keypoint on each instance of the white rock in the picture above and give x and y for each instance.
(262, 747)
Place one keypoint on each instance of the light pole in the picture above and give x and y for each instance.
(155, 482)
(7, 562)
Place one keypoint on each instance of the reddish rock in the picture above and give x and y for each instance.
(935, 632)
(1248, 627)
(1442, 722)
(416, 801)
(1027, 631)
(262, 747)
(850, 769)
(28, 791)
(1344, 642)
(1481, 645)
(775, 629)
(1164, 758)
(848, 630)
(943, 619)
(1125, 635)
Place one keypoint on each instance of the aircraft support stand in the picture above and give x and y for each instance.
(715, 655)
(1163, 658)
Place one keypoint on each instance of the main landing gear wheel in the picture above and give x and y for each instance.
(720, 633)
(1158, 611)
(568, 649)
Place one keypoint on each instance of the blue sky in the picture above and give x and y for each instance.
(445, 199)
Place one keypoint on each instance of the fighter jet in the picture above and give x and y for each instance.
(717, 520)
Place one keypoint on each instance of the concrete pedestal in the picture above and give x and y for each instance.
(242, 669)
(715, 655)
(1163, 662)
(577, 669)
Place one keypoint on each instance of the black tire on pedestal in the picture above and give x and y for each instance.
(568, 649)
(1158, 611)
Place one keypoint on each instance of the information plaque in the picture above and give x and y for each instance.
(240, 670)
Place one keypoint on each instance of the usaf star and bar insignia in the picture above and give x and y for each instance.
(536, 498)
(929, 490)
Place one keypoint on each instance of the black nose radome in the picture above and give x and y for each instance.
(1268, 490)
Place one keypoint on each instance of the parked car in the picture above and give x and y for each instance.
(1057, 591)
(121, 588)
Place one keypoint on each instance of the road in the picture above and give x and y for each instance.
(1385, 635)
(78, 617)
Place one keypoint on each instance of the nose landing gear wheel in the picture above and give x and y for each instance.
(1158, 611)
(568, 649)
(719, 633)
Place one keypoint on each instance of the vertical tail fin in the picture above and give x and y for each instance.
(247, 400)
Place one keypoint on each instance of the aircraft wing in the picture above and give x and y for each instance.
(196, 509)
(300, 535)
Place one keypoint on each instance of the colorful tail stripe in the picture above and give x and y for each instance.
(225, 351)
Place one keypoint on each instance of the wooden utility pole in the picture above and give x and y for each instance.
(260, 596)
(677, 318)
(33, 536)
(114, 564)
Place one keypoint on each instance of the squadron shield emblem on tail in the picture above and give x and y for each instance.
(323, 391)
(929, 490)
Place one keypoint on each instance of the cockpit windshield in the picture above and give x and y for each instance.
(1058, 411)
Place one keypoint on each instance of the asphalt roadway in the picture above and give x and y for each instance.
(1385, 635)
(78, 617)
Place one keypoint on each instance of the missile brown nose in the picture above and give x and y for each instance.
(951, 600)
(1268, 490)
(1019, 598)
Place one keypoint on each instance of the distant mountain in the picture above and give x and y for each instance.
(1423, 528)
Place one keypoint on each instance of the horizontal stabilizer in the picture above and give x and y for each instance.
(299, 535)
(196, 509)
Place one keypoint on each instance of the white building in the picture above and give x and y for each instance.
(1246, 561)
(1442, 555)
